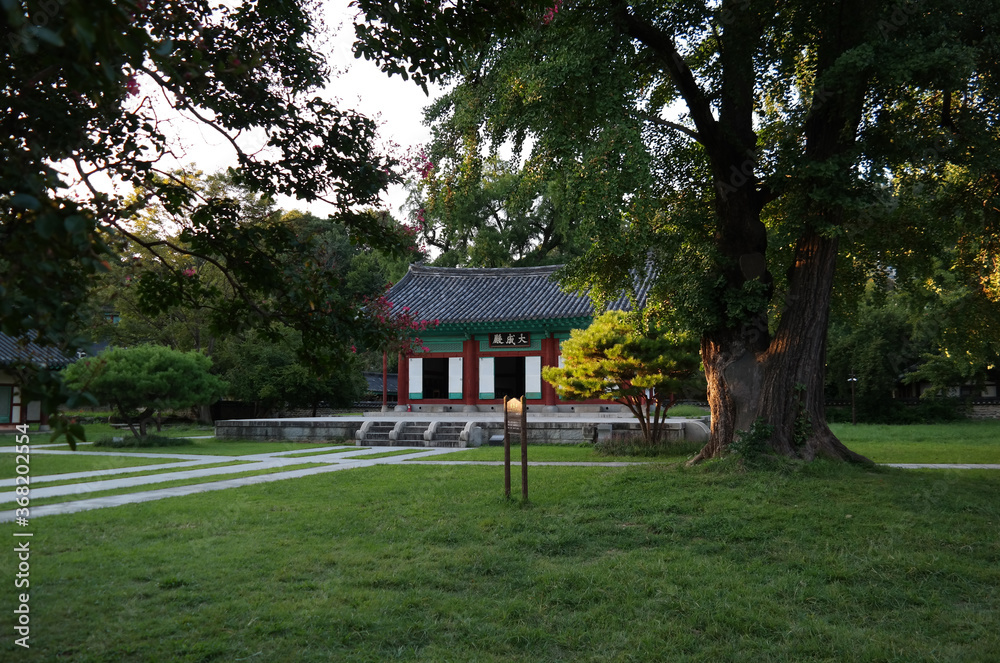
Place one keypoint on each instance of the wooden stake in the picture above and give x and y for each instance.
(524, 448)
(506, 451)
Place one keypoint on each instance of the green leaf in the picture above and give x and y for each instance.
(46, 225)
(47, 35)
(165, 48)
(77, 431)
(75, 224)
(25, 201)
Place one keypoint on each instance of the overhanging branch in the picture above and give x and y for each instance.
(661, 44)
(659, 121)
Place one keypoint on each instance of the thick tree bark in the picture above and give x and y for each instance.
(792, 390)
(205, 414)
(734, 377)
(782, 383)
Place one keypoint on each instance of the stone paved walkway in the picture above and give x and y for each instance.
(335, 460)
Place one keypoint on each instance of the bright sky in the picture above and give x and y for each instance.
(358, 85)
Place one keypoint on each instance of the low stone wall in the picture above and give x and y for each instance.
(985, 411)
(287, 429)
(552, 431)
(569, 432)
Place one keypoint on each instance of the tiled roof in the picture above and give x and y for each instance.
(463, 296)
(13, 350)
(374, 381)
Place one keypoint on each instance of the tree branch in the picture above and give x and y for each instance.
(149, 246)
(190, 108)
(662, 45)
(653, 119)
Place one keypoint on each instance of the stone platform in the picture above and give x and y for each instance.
(451, 429)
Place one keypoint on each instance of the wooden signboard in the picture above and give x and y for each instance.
(510, 340)
(515, 418)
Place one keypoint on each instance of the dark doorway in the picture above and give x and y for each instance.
(435, 378)
(6, 404)
(508, 377)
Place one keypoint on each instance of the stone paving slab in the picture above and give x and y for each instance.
(114, 452)
(176, 491)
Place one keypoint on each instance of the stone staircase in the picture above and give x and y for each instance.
(376, 433)
(409, 434)
(446, 434)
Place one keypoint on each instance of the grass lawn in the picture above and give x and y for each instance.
(95, 431)
(419, 563)
(688, 411)
(334, 450)
(958, 442)
(44, 464)
(568, 453)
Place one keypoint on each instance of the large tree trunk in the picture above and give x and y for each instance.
(782, 382)
(792, 389)
(734, 376)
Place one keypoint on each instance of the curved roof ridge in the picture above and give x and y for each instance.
(493, 272)
(463, 295)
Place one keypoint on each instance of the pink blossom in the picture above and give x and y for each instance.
(132, 85)
(551, 12)
(189, 272)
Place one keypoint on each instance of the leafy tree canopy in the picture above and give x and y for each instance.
(269, 374)
(630, 358)
(146, 378)
(84, 84)
(936, 332)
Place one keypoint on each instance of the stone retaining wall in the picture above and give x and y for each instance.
(985, 411)
(566, 431)
(281, 429)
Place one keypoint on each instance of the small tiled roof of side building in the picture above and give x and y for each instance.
(474, 295)
(13, 350)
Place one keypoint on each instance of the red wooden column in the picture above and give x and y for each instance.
(550, 357)
(403, 381)
(470, 371)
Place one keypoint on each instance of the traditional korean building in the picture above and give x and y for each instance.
(14, 409)
(497, 329)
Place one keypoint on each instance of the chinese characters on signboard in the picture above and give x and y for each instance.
(510, 340)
